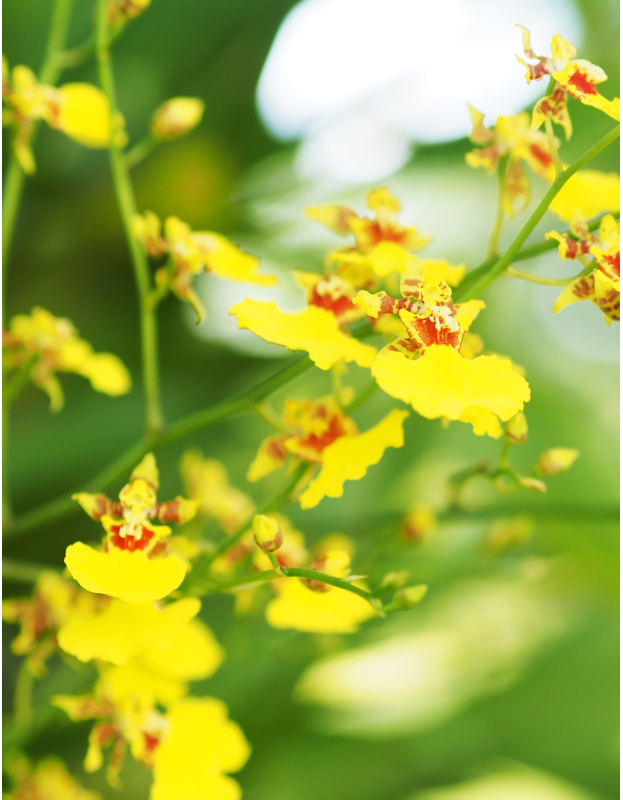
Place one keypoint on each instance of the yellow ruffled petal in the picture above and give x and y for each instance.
(228, 261)
(129, 576)
(135, 683)
(302, 609)
(201, 743)
(586, 194)
(442, 384)
(125, 630)
(270, 456)
(442, 270)
(107, 374)
(314, 330)
(84, 115)
(348, 458)
(147, 470)
(191, 654)
(336, 218)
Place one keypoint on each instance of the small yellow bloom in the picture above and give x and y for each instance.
(83, 114)
(512, 136)
(177, 117)
(136, 565)
(48, 780)
(207, 482)
(193, 252)
(267, 533)
(51, 344)
(315, 330)
(316, 607)
(425, 367)
(200, 745)
(419, 524)
(321, 433)
(603, 286)
(586, 194)
(56, 602)
(381, 243)
(576, 77)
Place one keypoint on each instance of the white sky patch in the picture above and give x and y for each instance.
(361, 81)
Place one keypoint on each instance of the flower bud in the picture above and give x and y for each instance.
(534, 484)
(517, 429)
(556, 460)
(176, 117)
(410, 596)
(508, 533)
(126, 9)
(267, 533)
(394, 580)
(419, 524)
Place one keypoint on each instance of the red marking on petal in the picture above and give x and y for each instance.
(337, 305)
(428, 333)
(613, 262)
(582, 83)
(151, 742)
(318, 443)
(129, 543)
(542, 156)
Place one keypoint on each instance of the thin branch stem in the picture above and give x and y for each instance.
(140, 151)
(494, 241)
(361, 398)
(491, 273)
(64, 506)
(127, 208)
(527, 276)
(23, 696)
(23, 571)
(16, 178)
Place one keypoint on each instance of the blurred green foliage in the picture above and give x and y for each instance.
(557, 712)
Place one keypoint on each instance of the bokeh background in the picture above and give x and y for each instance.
(502, 685)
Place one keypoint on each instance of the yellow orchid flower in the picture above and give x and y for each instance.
(193, 252)
(603, 286)
(425, 367)
(382, 243)
(315, 607)
(79, 110)
(56, 602)
(136, 564)
(48, 780)
(207, 482)
(51, 344)
(512, 136)
(576, 77)
(586, 194)
(321, 433)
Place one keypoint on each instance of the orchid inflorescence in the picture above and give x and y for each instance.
(128, 601)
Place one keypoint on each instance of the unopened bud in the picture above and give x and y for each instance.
(507, 533)
(394, 580)
(177, 117)
(556, 460)
(534, 484)
(419, 524)
(517, 429)
(410, 596)
(267, 533)
(126, 9)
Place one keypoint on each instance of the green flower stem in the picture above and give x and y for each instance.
(471, 289)
(127, 208)
(64, 506)
(361, 398)
(331, 580)
(23, 571)
(494, 241)
(140, 151)
(527, 276)
(23, 696)
(16, 178)
(269, 508)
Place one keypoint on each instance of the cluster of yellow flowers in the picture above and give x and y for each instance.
(130, 603)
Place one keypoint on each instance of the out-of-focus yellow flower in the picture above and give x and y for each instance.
(586, 194)
(79, 110)
(55, 603)
(193, 252)
(316, 607)
(508, 533)
(48, 780)
(381, 243)
(425, 367)
(512, 136)
(136, 564)
(321, 433)
(576, 77)
(419, 524)
(51, 344)
(200, 745)
(177, 117)
(207, 482)
(603, 286)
